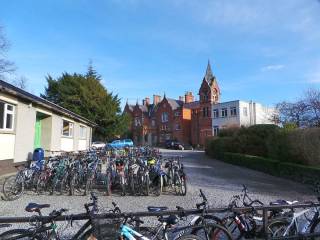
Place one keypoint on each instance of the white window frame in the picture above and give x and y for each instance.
(5, 113)
(164, 117)
(71, 128)
(233, 111)
(83, 134)
(215, 130)
(216, 113)
(245, 111)
(224, 112)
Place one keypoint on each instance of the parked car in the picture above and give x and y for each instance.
(182, 146)
(170, 143)
(120, 143)
(97, 145)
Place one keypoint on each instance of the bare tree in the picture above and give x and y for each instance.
(303, 113)
(312, 100)
(292, 112)
(21, 82)
(6, 66)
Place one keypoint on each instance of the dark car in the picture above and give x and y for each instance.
(170, 144)
(182, 146)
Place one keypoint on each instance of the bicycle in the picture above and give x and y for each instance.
(41, 229)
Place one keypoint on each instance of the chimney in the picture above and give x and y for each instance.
(156, 99)
(188, 97)
(146, 101)
(181, 98)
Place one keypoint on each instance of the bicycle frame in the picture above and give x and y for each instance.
(130, 234)
(294, 222)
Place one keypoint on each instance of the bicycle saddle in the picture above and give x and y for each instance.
(35, 207)
(156, 209)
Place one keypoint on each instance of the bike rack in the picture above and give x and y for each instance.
(186, 212)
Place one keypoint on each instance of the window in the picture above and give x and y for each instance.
(233, 111)
(205, 112)
(67, 128)
(215, 113)
(6, 116)
(215, 130)
(153, 123)
(245, 111)
(137, 122)
(164, 117)
(83, 132)
(177, 114)
(178, 127)
(224, 112)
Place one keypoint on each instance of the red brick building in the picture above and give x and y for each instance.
(183, 119)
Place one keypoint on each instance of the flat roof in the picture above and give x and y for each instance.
(20, 93)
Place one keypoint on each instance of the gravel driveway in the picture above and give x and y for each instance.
(219, 181)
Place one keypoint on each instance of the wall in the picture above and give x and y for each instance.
(223, 122)
(66, 144)
(25, 130)
(7, 146)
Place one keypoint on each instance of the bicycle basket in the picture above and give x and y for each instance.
(106, 228)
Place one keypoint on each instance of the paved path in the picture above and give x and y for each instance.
(215, 175)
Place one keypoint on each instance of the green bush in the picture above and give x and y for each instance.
(215, 147)
(295, 172)
(253, 162)
(300, 146)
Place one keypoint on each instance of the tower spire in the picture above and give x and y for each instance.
(209, 74)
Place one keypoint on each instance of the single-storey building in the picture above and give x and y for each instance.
(28, 122)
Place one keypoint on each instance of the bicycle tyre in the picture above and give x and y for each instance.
(18, 233)
(277, 228)
(183, 186)
(8, 194)
(159, 186)
(147, 185)
(313, 227)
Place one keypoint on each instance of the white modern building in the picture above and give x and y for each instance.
(240, 113)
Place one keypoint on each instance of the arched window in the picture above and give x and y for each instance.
(164, 117)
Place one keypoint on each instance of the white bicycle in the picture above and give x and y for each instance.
(294, 223)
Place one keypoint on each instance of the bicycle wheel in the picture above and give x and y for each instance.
(219, 233)
(315, 228)
(232, 227)
(159, 187)
(13, 187)
(23, 234)
(279, 228)
(108, 184)
(147, 185)
(183, 185)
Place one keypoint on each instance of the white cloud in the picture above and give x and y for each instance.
(272, 67)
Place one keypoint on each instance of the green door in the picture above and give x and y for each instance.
(37, 135)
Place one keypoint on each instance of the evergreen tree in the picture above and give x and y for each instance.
(85, 95)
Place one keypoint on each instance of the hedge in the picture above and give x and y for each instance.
(296, 172)
(299, 146)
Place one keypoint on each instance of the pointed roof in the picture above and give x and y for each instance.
(209, 74)
(209, 77)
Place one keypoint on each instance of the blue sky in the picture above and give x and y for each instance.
(267, 51)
